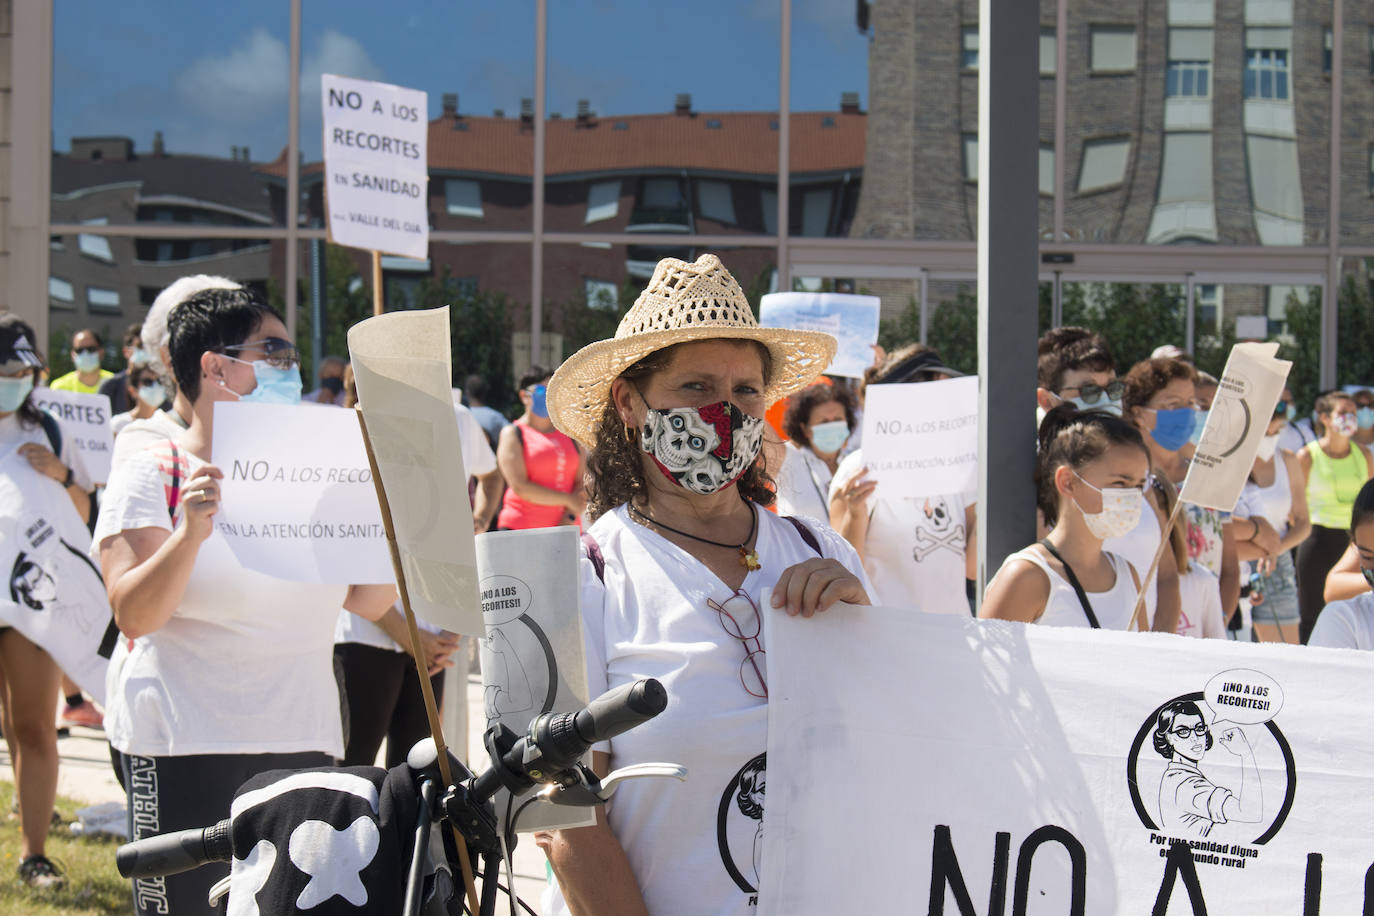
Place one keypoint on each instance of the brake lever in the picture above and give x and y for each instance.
(585, 790)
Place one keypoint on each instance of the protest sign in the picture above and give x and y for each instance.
(921, 439)
(997, 768)
(1249, 390)
(532, 658)
(851, 320)
(298, 500)
(55, 596)
(376, 175)
(401, 362)
(85, 423)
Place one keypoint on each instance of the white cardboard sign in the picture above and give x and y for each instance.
(921, 438)
(1249, 390)
(852, 320)
(376, 174)
(85, 423)
(964, 766)
(532, 656)
(298, 500)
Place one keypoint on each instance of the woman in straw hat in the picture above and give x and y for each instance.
(679, 559)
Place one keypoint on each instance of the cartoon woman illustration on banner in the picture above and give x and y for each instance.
(1189, 802)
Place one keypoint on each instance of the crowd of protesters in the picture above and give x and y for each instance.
(655, 444)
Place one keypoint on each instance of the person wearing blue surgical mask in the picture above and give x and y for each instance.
(542, 466)
(146, 391)
(1075, 366)
(230, 671)
(1364, 416)
(818, 421)
(1161, 400)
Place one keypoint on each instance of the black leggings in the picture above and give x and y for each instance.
(1313, 559)
(175, 793)
(382, 693)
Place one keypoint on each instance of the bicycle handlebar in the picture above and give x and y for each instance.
(172, 853)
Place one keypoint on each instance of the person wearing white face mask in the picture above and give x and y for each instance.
(231, 671)
(145, 391)
(1275, 494)
(87, 348)
(1092, 471)
(818, 423)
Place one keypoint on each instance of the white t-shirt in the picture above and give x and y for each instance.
(1347, 624)
(1200, 599)
(804, 485)
(914, 550)
(14, 433)
(478, 459)
(650, 618)
(139, 434)
(1112, 608)
(244, 664)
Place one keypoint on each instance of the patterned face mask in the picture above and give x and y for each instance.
(1120, 511)
(702, 449)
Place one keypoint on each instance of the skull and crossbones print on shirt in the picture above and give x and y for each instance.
(936, 529)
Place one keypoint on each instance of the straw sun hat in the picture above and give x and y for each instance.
(682, 303)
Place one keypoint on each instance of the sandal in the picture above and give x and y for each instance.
(41, 872)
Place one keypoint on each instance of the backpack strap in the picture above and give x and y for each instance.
(806, 533)
(594, 554)
(53, 430)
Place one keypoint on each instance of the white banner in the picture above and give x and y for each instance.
(921, 438)
(961, 766)
(401, 361)
(851, 320)
(532, 656)
(376, 174)
(298, 500)
(85, 423)
(54, 595)
(1244, 404)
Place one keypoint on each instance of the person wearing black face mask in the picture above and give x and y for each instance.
(331, 390)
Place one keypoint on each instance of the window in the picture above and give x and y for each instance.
(1047, 169)
(601, 294)
(971, 157)
(713, 123)
(1104, 163)
(968, 52)
(768, 200)
(55, 242)
(1206, 303)
(1049, 53)
(1266, 74)
(1190, 64)
(715, 202)
(101, 299)
(603, 201)
(61, 290)
(464, 197)
(1326, 51)
(95, 246)
(1113, 48)
(816, 213)
(1186, 174)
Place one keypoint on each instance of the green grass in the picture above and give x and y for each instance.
(93, 884)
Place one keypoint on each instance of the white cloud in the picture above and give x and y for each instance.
(337, 54)
(242, 86)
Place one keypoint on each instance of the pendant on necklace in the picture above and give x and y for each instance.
(748, 559)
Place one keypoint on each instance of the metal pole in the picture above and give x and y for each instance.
(541, 47)
(1332, 294)
(1190, 319)
(925, 303)
(1008, 132)
(1061, 95)
(317, 304)
(784, 146)
(293, 171)
(1057, 300)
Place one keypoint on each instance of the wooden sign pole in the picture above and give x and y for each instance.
(1138, 621)
(378, 306)
(421, 666)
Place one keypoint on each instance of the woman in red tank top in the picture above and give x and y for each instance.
(542, 466)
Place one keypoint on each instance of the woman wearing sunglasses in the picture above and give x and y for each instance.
(541, 465)
(229, 671)
(146, 393)
(1091, 477)
(681, 558)
(1190, 804)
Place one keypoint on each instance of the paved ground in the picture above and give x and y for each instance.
(86, 775)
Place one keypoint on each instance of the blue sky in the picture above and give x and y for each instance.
(210, 80)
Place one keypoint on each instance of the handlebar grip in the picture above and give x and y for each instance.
(620, 710)
(172, 853)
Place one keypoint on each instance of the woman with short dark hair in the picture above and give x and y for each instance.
(230, 671)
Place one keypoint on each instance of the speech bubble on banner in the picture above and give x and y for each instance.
(1244, 696)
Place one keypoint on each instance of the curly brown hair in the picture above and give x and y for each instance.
(800, 405)
(615, 469)
(1150, 376)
